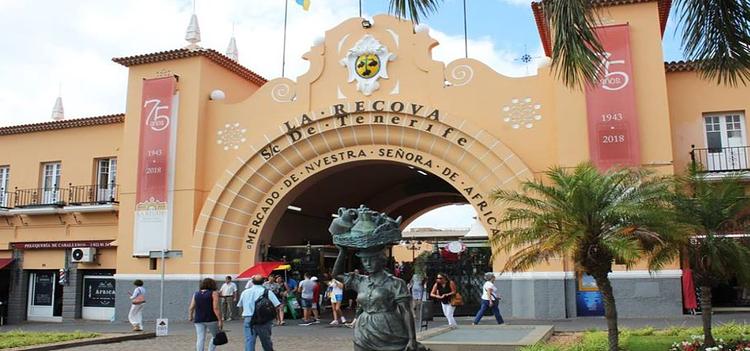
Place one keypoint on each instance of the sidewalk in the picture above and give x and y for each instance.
(324, 337)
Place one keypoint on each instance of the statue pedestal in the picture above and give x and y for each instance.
(484, 337)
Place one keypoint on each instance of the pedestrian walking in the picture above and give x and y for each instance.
(316, 300)
(281, 292)
(337, 296)
(306, 291)
(137, 301)
(418, 292)
(261, 331)
(205, 313)
(490, 300)
(443, 291)
(228, 293)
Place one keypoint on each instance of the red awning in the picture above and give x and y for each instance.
(4, 262)
(263, 268)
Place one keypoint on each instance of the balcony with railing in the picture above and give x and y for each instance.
(721, 160)
(75, 198)
(97, 194)
(39, 197)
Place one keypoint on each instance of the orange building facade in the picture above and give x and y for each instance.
(209, 156)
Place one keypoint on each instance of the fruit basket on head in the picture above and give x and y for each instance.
(362, 228)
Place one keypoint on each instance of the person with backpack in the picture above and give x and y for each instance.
(258, 311)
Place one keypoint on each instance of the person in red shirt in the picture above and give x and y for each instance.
(316, 300)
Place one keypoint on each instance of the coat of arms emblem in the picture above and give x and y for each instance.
(367, 61)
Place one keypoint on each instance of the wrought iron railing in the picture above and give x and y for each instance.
(40, 197)
(725, 159)
(6, 199)
(93, 194)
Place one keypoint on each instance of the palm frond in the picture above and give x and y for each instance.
(413, 9)
(576, 50)
(593, 217)
(716, 35)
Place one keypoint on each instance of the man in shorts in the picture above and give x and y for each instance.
(306, 291)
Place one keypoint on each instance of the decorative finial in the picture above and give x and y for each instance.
(232, 52)
(193, 33)
(58, 114)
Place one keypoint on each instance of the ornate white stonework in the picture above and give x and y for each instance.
(367, 61)
(231, 136)
(522, 112)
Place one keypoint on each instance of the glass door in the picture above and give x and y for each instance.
(725, 138)
(42, 296)
(106, 180)
(51, 183)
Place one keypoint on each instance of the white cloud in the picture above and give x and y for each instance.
(451, 216)
(48, 42)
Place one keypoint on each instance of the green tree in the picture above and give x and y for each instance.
(594, 218)
(715, 35)
(713, 210)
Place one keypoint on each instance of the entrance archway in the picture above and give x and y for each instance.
(245, 205)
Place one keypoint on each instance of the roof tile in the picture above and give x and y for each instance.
(63, 124)
(177, 54)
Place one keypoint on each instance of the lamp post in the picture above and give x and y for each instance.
(413, 246)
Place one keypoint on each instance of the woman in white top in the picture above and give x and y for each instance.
(137, 300)
(337, 295)
(489, 300)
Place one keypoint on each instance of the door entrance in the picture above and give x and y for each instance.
(45, 297)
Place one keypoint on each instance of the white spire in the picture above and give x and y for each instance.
(193, 33)
(58, 114)
(232, 52)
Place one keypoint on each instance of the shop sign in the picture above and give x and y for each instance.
(155, 154)
(610, 104)
(99, 292)
(60, 244)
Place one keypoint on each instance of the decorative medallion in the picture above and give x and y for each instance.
(367, 61)
(522, 112)
(231, 136)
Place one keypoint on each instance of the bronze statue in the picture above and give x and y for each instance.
(384, 316)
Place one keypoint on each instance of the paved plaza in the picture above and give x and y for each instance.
(324, 337)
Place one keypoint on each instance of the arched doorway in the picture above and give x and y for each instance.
(243, 210)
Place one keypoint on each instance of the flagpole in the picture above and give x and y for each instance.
(283, 51)
(466, 40)
(360, 8)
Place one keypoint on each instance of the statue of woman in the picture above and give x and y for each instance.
(384, 317)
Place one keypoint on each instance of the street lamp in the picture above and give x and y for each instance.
(413, 246)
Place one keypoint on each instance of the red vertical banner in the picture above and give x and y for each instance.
(152, 191)
(610, 104)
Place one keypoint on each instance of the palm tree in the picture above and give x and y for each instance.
(713, 210)
(594, 218)
(715, 36)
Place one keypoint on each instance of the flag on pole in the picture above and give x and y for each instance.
(304, 3)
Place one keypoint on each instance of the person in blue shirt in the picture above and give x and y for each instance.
(247, 302)
(291, 283)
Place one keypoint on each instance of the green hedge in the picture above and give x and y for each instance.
(19, 338)
(646, 339)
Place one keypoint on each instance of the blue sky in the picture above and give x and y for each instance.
(508, 23)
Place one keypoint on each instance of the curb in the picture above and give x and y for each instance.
(86, 342)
